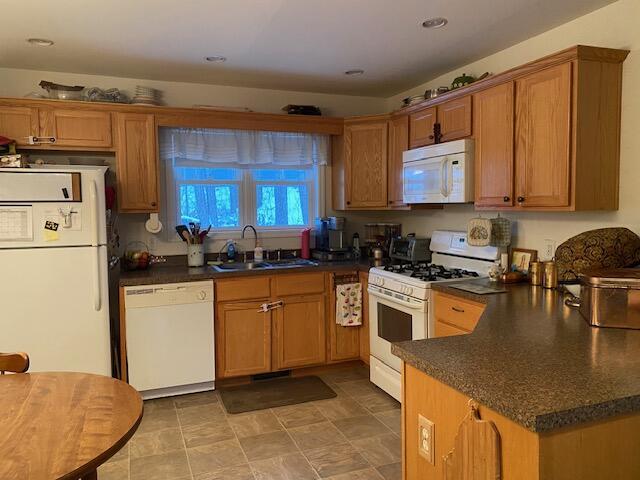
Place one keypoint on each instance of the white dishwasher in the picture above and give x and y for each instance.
(170, 338)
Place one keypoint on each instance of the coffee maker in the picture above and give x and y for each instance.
(331, 243)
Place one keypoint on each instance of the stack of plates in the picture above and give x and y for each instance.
(146, 96)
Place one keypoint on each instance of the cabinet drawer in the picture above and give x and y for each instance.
(298, 284)
(459, 313)
(445, 330)
(243, 288)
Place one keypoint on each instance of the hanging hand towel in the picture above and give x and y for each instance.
(349, 304)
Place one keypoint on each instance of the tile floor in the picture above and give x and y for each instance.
(355, 436)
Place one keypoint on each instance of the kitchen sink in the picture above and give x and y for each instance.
(270, 265)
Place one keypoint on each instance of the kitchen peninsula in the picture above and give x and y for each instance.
(563, 396)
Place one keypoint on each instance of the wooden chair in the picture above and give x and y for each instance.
(14, 362)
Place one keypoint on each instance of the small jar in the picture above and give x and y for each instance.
(550, 279)
(195, 255)
(535, 273)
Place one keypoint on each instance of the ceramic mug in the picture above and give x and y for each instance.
(195, 255)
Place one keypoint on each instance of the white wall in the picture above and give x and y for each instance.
(614, 26)
(18, 83)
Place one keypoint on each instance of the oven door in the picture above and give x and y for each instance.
(394, 317)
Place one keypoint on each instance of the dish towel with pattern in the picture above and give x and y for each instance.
(349, 304)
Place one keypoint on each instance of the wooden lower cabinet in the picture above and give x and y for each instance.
(454, 315)
(299, 332)
(592, 451)
(344, 342)
(243, 339)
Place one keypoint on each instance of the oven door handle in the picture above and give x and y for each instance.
(395, 300)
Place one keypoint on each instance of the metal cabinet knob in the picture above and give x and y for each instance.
(506, 198)
(520, 199)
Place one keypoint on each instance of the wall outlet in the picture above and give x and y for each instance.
(549, 249)
(426, 438)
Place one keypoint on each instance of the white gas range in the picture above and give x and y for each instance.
(400, 294)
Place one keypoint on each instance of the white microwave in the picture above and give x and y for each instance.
(441, 173)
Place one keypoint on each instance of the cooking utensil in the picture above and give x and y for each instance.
(62, 92)
(184, 233)
(434, 92)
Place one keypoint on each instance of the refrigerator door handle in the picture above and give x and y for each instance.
(93, 199)
(97, 295)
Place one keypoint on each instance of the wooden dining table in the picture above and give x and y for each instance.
(63, 425)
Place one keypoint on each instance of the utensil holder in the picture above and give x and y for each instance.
(195, 255)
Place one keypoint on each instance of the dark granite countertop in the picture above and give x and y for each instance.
(535, 360)
(174, 273)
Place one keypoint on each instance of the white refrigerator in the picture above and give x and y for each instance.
(54, 298)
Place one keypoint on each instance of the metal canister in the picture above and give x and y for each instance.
(550, 279)
(535, 273)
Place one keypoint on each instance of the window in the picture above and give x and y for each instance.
(274, 185)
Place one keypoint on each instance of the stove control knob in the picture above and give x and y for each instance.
(381, 281)
(408, 290)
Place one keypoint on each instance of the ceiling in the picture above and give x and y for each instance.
(303, 45)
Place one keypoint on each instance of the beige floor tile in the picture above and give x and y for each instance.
(289, 467)
(391, 472)
(335, 460)
(267, 445)
(316, 435)
(195, 399)
(380, 450)
(207, 433)
(341, 407)
(156, 404)
(368, 474)
(378, 402)
(298, 415)
(239, 472)
(391, 419)
(158, 441)
(207, 458)
(345, 375)
(359, 388)
(114, 470)
(165, 466)
(200, 414)
(360, 427)
(158, 419)
(254, 424)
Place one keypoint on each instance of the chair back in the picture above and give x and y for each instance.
(14, 362)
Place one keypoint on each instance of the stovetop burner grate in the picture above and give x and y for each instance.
(430, 272)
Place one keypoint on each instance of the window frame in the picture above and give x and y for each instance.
(315, 182)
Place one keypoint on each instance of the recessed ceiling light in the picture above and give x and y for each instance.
(41, 42)
(354, 72)
(216, 59)
(436, 22)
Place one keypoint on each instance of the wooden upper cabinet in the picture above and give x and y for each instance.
(398, 143)
(493, 124)
(543, 138)
(365, 151)
(243, 339)
(76, 128)
(454, 118)
(421, 127)
(18, 123)
(299, 332)
(136, 163)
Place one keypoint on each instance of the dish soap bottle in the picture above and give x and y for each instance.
(231, 251)
(258, 253)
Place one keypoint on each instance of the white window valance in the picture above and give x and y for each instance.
(243, 148)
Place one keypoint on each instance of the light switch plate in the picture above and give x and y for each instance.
(426, 439)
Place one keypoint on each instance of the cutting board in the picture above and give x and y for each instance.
(476, 451)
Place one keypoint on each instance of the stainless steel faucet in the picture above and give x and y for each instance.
(255, 235)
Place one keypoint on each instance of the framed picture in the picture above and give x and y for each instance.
(521, 258)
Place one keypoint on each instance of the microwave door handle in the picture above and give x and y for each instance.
(443, 177)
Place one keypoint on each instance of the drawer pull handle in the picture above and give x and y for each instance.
(457, 309)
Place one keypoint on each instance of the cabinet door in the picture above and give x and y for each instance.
(398, 143)
(366, 164)
(454, 118)
(493, 123)
(243, 339)
(299, 332)
(76, 128)
(18, 123)
(344, 342)
(543, 132)
(137, 163)
(421, 128)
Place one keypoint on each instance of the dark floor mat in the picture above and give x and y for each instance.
(272, 393)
